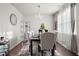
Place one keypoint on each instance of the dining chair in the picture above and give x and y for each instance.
(47, 42)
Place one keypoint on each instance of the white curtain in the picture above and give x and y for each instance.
(74, 30)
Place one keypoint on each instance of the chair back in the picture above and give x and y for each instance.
(47, 40)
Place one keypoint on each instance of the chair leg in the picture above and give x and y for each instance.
(42, 52)
(39, 48)
(55, 47)
(53, 50)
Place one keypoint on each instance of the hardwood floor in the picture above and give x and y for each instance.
(15, 50)
(60, 51)
(63, 51)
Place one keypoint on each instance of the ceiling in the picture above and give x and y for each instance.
(32, 8)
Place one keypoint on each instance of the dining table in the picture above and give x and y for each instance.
(33, 39)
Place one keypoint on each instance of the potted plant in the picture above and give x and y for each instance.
(42, 27)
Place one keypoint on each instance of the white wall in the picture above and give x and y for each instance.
(6, 26)
(36, 21)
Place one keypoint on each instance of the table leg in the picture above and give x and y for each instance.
(31, 48)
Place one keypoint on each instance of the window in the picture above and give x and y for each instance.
(64, 21)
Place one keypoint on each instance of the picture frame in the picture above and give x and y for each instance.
(13, 19)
